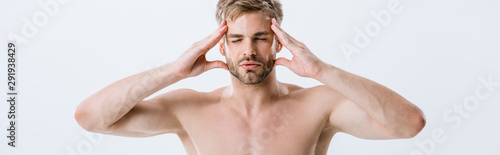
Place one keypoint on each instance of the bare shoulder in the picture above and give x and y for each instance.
(320, 91)
(188, 98)
(318, 101)
(292, 87)
(321, 96)
(181, 95)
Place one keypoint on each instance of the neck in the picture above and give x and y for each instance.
(252, 98)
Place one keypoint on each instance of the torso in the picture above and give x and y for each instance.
(296, 123)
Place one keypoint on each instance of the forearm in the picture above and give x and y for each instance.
(382, 104)
(108, 105)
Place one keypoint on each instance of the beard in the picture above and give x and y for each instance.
(251, 77)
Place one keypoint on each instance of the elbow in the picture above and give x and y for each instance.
(414, 126)
(84, 118)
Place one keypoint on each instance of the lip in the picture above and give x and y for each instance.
(249, 65)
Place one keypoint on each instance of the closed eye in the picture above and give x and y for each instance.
(235, 41)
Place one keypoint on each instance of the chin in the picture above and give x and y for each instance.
(250, 79)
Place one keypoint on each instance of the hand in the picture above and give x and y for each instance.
(193, 62)
(304, 62)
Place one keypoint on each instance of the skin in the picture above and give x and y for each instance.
(252, 115)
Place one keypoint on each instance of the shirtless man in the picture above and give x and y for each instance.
(256, 114)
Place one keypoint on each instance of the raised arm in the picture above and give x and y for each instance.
(120, 108)
(368, 110)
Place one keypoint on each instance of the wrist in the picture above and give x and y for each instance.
(327, 72)
(167, 72)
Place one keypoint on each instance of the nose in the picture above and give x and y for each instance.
(249, 48)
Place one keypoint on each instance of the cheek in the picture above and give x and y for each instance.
(227, 51)
(267, 50)
(229, 55)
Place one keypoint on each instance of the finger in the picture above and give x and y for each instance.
(221, 30)
(282, 61)
(284, 40)
(281, 37)
(275, 23)
(222, 24)
(215, 64)
(290, 39)
(215, 37)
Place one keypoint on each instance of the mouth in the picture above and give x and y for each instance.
(249, 65)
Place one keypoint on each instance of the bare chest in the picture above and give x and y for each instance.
(280, 130)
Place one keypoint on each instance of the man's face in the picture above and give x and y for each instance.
(250, 47)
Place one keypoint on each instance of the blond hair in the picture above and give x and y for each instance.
(232, 9)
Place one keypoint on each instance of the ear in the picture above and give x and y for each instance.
(279, 46)
(221, 47)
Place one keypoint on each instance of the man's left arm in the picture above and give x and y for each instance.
(399, 117)
(375, 106)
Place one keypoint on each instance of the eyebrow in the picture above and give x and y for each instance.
(235, 35)
(262, 33)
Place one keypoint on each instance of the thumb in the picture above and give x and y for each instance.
(215, 64)
(282, 61)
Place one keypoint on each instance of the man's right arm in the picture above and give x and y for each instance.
(120, 108)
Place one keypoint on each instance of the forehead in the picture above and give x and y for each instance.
(249, 23)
